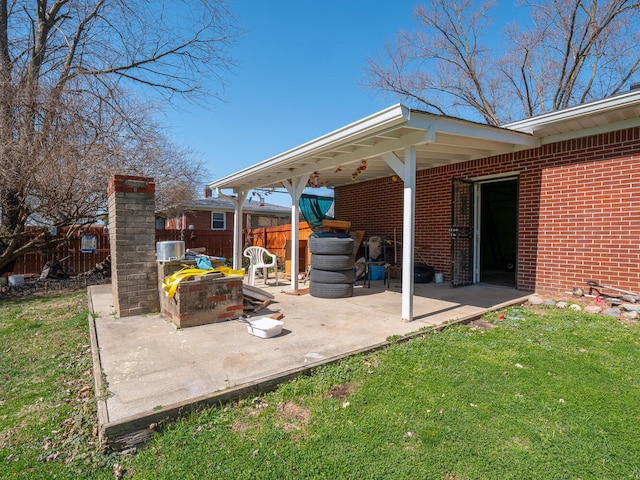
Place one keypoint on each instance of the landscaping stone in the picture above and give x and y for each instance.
(628, 311)
(612, 312)
(535, 300)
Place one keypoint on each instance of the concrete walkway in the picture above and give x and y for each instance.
(148, 371)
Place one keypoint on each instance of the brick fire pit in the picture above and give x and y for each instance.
(200, 300)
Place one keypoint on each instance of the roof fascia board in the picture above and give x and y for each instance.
(394, 115)
(587, 132)
(530, 125)
(353, 143)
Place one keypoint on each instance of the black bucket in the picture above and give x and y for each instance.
(423, 273)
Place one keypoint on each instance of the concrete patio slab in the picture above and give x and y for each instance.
(147, 370)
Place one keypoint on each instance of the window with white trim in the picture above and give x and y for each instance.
(218, 221)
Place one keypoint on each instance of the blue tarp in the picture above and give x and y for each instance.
(315, 208)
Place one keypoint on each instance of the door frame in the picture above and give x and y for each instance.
(477, 216)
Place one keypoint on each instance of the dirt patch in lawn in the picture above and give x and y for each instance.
(342, 391)
(293, 416)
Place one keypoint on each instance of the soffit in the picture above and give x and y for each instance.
(334, 159)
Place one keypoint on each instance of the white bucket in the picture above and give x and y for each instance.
(438, 277)
(170, 250)
(16, 280)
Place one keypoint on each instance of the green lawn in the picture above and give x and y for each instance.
(47, 406)
(545, 394)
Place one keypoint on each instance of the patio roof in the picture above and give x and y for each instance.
(439, 140)
(397, 140)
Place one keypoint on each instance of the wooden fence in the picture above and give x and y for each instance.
(74, 260)
(219, 244)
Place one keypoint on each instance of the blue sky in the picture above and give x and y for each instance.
(297, 74)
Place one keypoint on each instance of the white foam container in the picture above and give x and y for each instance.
(16, 280)
(264, 327)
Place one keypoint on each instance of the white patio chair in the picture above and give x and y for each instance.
(256, 256)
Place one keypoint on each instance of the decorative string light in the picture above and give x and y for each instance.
(361, 168)
(314, 180)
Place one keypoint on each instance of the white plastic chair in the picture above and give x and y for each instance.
(256, 256)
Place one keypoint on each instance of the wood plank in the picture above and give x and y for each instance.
(337, 224)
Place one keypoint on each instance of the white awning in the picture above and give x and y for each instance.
(333, 158)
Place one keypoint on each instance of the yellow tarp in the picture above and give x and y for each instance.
(170, 284)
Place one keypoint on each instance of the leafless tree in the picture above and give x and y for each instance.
(76, 82)
(568, 52)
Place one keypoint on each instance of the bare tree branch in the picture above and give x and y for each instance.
(67, 120)
(572, 51)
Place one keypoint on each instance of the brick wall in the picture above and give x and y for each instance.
(132, 243)
(200, 300)
(579, 210)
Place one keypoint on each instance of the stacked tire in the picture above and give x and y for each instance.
(332, 266)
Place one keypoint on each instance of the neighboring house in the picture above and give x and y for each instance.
(216, 214)
(544, 204)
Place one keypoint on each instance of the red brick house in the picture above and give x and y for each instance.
(543, 204)
(216, 214)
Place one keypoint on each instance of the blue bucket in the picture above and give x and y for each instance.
(376, 272)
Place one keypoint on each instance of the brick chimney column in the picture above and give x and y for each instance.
(134, 273)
